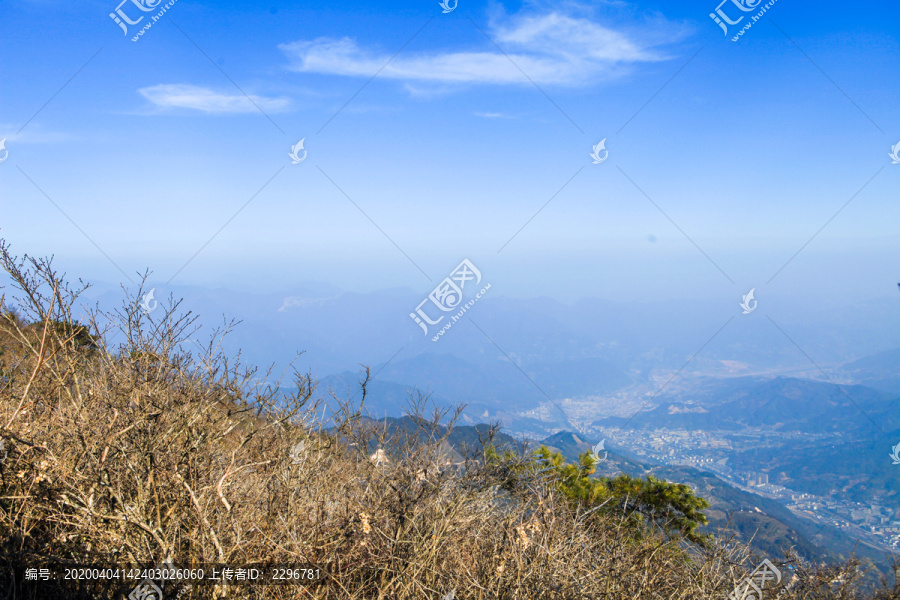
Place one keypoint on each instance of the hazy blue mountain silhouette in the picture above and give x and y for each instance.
(880, 371)
(778, 404)
(338, 330)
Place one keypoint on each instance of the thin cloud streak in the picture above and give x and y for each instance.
(552, 49)
(168, 96)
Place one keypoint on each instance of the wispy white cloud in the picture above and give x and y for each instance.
(33, 134)
(208, 100)
(493, 115)
(550, 48)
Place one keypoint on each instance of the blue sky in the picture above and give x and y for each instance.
(485, 114)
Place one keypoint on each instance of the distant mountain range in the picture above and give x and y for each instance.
(880, 371)
(485, 389)
(338, 330)
(778, 404)
(511, 356)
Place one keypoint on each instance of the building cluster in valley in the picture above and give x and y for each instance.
(710, 451)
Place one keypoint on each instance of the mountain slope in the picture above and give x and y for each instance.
(766, 524)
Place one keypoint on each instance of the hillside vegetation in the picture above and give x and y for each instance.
(121, 444)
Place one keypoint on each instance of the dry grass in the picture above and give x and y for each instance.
(144, 451)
